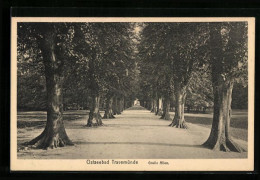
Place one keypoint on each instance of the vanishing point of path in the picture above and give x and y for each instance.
(135, 134)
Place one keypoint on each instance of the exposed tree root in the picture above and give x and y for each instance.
(226, 146)
(179, 124)
(46, 140)
(234, 146)
(109, 109)
(97, 117)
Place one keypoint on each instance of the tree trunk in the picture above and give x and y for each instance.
(121, 105)
(109, 112)
(159, 107)
(94, 112)
(166, 109)
(142, 103)
(154, 105)
(116, 106)
(219, 138)
(125, 103)
(54, 134)
(180, 96)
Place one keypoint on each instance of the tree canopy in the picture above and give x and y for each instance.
(177, 66)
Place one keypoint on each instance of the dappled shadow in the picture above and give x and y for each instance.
(140, 143)
(114, 125)
(137, 125)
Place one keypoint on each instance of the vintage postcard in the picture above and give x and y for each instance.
(132, 94)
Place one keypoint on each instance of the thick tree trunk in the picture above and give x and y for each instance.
(180, 96)
(166, 109)
(219, 138)
(94, 113)
(54, 134)
(109, 112)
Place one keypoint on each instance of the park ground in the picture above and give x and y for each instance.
(136, 133)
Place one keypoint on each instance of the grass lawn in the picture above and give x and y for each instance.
(238, 123)
(38, 118)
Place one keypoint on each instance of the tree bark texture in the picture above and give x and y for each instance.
(159, 107)
(116, 106)
(180, 96)
(121, 105)
(94, 113)
(109, 112)
(54, 134)
(219, 138)
(154, 105)
(166, 109)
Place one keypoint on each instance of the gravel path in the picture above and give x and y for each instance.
(135, 134)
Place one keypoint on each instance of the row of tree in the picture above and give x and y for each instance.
(197, 64)
(83, 62)
(112, 64)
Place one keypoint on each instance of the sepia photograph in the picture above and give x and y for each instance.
(132, 94)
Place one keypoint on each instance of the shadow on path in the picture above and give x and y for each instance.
(142, 143)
